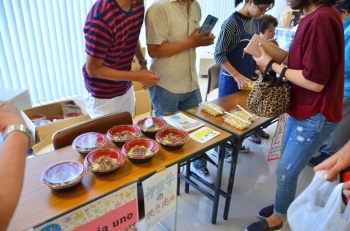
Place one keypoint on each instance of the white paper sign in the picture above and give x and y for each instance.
(160, 196)
(204, 134)
(277, 140)
(182, 121)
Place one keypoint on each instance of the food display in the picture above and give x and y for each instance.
(150, 128)
(104, 162)
(242, 115)
(89, 141)
(37, 117)
(235, 122)
(124, 135)
(212, 109)
(63, 175)
(173, 139)
(139, 151)
(249, 87)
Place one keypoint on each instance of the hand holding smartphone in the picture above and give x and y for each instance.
(208, 23)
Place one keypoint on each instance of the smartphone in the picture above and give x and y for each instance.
(345, 177)
(208, 23)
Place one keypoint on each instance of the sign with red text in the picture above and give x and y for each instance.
(277, 139)
(160, 196)
(117, 211)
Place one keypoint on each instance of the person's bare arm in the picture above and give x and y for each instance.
(12, 163)
(241, 80)
(337, 162)
(297, 77)
(95, 68)
(167, 49)
(139, 56)
(294, 76)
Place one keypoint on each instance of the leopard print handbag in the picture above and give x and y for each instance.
(270, 96)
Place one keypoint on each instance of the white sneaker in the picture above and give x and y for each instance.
(202, 173)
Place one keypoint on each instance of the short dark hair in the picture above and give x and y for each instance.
(343, 5)
(303, 3)
(257, 2)
(265, 21)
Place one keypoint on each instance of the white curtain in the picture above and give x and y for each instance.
(42, 44)
(42, 47)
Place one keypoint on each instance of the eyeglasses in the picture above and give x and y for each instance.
(265, 10)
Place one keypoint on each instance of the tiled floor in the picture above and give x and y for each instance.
(254, 188)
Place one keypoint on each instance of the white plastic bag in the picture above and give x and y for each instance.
(318, 207)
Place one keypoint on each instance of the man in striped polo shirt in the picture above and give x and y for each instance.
(172, 31)
(111, 31)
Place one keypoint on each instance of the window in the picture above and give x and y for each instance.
(42, 44)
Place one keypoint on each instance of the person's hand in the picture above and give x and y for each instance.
(273, 41)
(264, 59)
(335, 163)
(242, 82)
(201, 39)
(148, 78)
(9, 115)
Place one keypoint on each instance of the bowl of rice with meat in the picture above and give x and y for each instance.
(123, 133)
(172, 138)
(140, 149)
(104, 160)
(149, 126)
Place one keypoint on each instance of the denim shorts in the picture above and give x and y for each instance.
(165, 102)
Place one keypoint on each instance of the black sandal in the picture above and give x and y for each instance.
(255, 139)
(262, 134)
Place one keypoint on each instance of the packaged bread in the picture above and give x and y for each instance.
(249, 87)
(237, 123)
(242, 115)
(212, 109)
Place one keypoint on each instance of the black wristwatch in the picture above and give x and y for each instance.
(143, 61)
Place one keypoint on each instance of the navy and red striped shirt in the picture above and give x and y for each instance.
(111, 34)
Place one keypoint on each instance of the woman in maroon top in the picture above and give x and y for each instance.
(316, 73)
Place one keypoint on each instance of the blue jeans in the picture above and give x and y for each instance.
(301, 140)
(165, 102)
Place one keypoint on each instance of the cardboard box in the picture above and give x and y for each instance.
(288, 18)
(19, 97)
(142, 102)
(45, 132)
